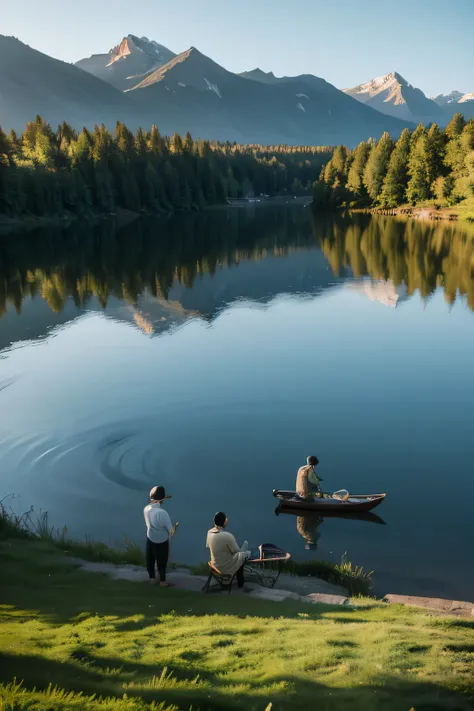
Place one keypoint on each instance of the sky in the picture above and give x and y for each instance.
(347, 42)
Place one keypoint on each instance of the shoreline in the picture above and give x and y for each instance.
(123, 217)
(419, 213)
(131, 558)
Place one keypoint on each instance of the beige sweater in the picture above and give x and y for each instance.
(303, 487)
(226, 555)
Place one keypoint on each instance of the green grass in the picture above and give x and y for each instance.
(71, 639)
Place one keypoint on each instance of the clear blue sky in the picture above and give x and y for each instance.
(430, 42)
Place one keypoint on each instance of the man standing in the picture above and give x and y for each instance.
(158, 531)
(305, 477)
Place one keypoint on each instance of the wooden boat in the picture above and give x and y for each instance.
(355, 502)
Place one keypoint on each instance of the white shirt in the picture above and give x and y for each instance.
(158, 523)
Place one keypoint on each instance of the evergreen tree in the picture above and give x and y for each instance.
(467, 136)
(377, 165)
(189, 144)
(418, 188)
(436, 152)
(155, 142)
(455, 126)
(176, 145)
(125, 142)
(355, 182)
(396, 180)
(339, 162)
(140, 143)
(5, 148)
(15, 143)
(420, 130)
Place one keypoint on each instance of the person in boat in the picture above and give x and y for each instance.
(226, 556)
(159, 529)
(308, 483)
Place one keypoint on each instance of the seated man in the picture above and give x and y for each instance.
(226, 555)
(305, 477)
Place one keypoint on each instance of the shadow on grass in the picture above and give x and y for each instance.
(469, 648)
(461, 623)
(385, 693)
(133, 625)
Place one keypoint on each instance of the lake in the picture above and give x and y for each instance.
(211, 353)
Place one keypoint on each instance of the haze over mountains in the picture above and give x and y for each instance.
(141, 82)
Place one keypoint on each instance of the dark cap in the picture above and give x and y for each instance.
(158, 493)
(313, 460)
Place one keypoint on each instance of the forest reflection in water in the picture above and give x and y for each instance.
(153, 255)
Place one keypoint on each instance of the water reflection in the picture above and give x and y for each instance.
(384, 291)
(412, 254)
(117, 395)
(308, 523)
(154, 268)
(307, 526)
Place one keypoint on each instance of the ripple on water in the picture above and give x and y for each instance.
(132, 455)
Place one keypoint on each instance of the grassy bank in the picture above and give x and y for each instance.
(34, 526)
(71, 639)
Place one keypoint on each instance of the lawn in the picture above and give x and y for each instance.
(79, 640)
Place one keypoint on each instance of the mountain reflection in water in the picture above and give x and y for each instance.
(157, 269)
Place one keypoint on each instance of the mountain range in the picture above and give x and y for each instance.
(392, 95)
(141, 82)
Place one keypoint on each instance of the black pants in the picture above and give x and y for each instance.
(240, 577)
(157, 553)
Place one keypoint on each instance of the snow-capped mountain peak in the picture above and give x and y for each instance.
(132, 43)
(388, 82)
(392, 94)
(451, 98)
(132, 57)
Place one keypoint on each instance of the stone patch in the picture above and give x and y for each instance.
(273, 594)
(315, 598)
(449, 607)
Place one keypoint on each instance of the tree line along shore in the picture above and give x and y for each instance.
(425, 167)
(51, 172)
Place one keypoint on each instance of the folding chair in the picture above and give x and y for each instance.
(224, 579)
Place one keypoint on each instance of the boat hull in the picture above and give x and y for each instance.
(359, 502)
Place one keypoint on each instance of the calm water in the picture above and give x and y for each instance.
(212, 353)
